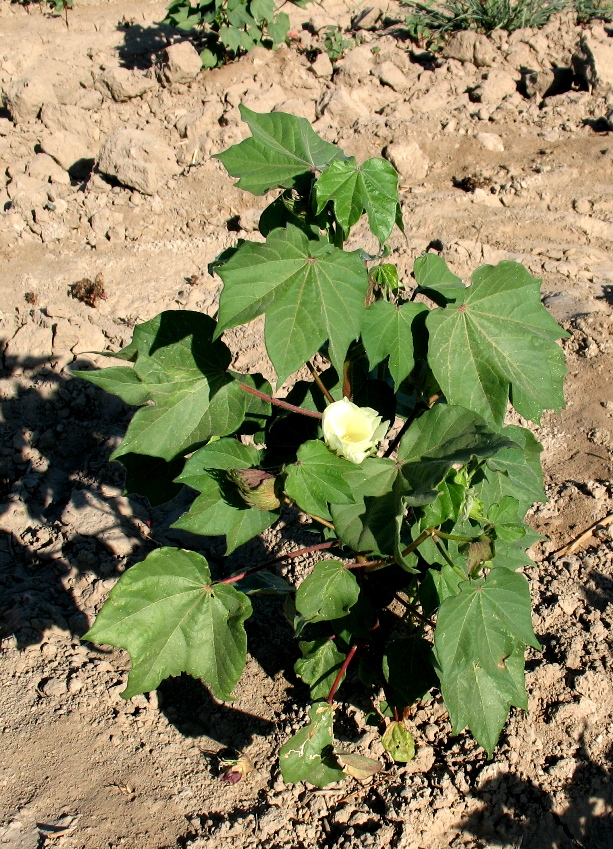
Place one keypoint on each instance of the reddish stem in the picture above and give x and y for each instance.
(279, 402)
(341, 672)
(233, 579)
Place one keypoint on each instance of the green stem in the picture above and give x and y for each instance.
(278, 402)
(446, 557)
(233, 579)
(453, 537)
(417, 542)
(341, 672)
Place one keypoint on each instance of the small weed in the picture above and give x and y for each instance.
(89, 292)
(31, 298)
(428, 23)
(335, 44)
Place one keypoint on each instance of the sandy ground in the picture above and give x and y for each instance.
(509, 177)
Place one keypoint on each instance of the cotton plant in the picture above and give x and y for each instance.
(394, 455)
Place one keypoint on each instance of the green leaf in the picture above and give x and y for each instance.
(437, 585)
(151, 477)
(309, 290)
(317, 478)
(319, 666)
(262, 10)
(230, 37)
(308, 755)
(385, 276)
(498, 342)
(435, 280)
(441, 438)
(278, 27)
(221, 454)
(329, 592)
(282, 150)
(387, 330)
(209, 59)
(118, 380)
(480, 637)
(398, 742)
(220, 510)
(264, 583)
(167, 615)
(183, 371)
(506, 519)
(514, 471)
(353, 189)
(407, 667)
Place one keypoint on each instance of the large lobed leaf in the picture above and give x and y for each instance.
(282, 149)
(309, 290)
(353, 189)
(481, 633)
(182, 371)
(317, 477)
(496, 341)
(167, 615)
(387, 331)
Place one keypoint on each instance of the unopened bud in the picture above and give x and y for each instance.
(257, 488)
(235, 770)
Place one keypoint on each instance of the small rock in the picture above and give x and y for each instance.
(469, 46)
(59, 118)
(44, 167)
(322, 66)
(55, 688)
(122, 84)
(26, 96)
(343, 106)
(6, 127)
(369, 17)
(490, 141)
(495, 87)
(409, 160)
(582, 205)
(27, 192)
(29, 347)
(357, 62)
(391, 75)
(138, 160)
(423, 761)
(593, 63)
(69, 151)
(538, 84)
(178, 63)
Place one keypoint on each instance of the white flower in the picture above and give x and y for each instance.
(351, 431)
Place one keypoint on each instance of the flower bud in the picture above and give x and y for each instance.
(257, 488)
(235, 770)
(352, 432)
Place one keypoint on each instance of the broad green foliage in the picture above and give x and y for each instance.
(496, 343)
(280, 154)
(231, 27)
(413, 582)
(480, 639)
(165, 612)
